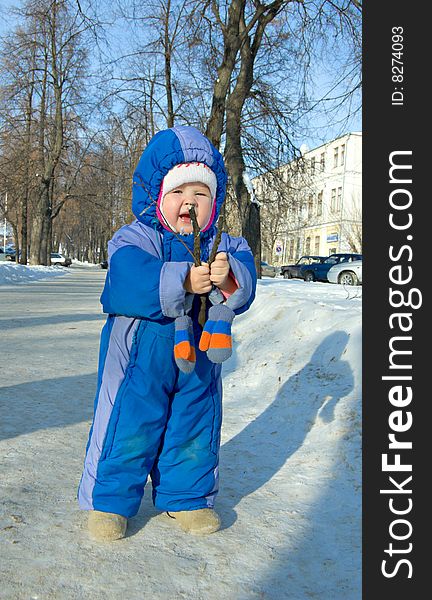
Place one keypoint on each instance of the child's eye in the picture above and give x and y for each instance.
(177, 191)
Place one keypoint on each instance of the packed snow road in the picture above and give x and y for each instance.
(290, 458)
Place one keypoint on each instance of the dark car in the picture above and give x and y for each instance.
(104, 264)
(318, 271)
(289, 271)
(10, 253)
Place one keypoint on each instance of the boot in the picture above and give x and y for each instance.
(105, 526)
(199, 522)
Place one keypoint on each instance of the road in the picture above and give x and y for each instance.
(290, 456)
(49, 345)
(65, 316)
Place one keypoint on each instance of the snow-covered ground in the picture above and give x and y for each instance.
(10, 272)
(290, 458)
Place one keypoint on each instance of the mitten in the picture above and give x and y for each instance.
(216, 336)
(184, 348)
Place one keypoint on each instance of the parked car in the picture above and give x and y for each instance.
(60, 259)
(104, 264)
(10, 253)
(289, 271)
(269, 270)
(346, 273)
(318, 271)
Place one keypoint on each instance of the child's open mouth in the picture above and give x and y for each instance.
(185, 218)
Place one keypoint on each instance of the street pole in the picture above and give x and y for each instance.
(4, 225)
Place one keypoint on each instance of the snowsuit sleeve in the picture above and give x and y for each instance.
(139, 283)
(242, 266)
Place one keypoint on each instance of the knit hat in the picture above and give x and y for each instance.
(189, 173)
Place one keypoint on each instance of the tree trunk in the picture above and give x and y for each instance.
(167, 55)
(232, 43)
(24, 227)
(234, 151)
(26, 194)
(37, 227)
(42, 226)
(251, 227)
(38, 214)
(238, 37)
(248, 211)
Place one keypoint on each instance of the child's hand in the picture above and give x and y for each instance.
(219, 270)
(198, 280)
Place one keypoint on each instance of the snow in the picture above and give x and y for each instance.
(290, 459)
(14, 273)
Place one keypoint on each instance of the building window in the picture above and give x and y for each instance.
(307, 245)
(312, 165)
(322, 161)
(298, 246)
(339, 199)
(335, 157)
(332, 251)
(319, 204)
(333, 200)
(342, 155)
(310, 207)
(291, 248)
(317, 244)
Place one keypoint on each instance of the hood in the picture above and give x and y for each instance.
(170, 147)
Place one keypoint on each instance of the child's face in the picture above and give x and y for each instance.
(176, 206)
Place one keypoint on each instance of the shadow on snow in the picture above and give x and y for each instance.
(248, 460)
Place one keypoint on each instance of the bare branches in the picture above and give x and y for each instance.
(241, 70)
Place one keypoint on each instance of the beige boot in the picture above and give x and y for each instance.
(200, 522)
(105, 526)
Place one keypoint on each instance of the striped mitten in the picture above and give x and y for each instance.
(216, 336)
(184, 348)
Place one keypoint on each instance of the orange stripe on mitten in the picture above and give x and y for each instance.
(184, 349)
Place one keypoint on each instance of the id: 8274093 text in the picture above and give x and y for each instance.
(397, 96)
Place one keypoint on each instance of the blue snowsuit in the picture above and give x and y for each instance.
(150, 417)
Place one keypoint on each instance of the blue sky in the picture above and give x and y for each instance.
(5, 18)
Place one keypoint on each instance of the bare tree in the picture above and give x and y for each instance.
(46, 60)
(283, 194)
(162, 32)
(99, 194)
(239, 70)
(351, 225)
(251, 32)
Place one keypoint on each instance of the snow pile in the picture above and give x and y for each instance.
(14, 273)
(290, 461)
(85, 263)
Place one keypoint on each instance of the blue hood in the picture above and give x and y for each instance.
(181, 144)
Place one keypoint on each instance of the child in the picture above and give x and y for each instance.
(158, 407)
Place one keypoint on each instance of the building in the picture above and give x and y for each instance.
(322, 208)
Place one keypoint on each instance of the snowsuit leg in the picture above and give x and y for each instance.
(185, 474)
(132, 405)
(149, 415)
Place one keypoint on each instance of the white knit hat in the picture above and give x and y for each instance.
(189, 173)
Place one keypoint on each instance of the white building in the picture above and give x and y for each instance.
(324, 202)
